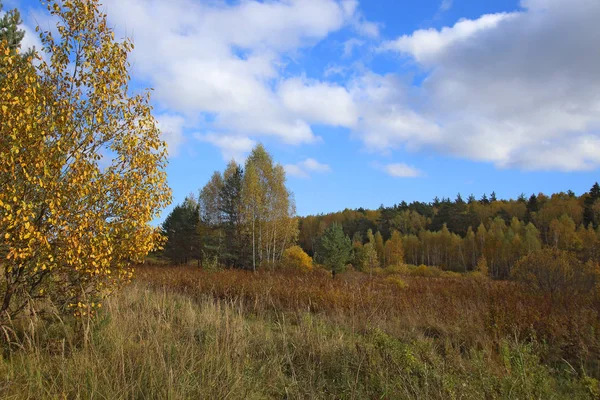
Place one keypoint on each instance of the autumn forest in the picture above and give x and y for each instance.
(106, 292)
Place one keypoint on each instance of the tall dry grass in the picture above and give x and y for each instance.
(181, 333)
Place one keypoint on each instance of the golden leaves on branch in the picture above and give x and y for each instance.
(82, 166)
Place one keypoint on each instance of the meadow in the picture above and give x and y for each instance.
(401, 333)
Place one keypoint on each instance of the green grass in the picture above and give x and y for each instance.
(152, 343)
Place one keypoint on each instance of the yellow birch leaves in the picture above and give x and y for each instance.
(81, 164)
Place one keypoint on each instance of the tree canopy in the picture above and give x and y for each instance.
(81, 164)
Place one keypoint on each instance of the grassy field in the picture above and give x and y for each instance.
(182, 333)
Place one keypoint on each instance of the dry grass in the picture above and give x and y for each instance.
(182, 333)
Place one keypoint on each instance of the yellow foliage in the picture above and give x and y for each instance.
(398, 269)
(82, 165)
(425, 271)
(481, 270)
(397, 281)
(294, 257)
(553, 270)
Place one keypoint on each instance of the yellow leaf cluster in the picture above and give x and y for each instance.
(81, 163)
(295, 258)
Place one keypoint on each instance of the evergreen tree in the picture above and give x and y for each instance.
(532, 207)
(588, 211)
(211, 217)
(335, 248)
(493, 197)
(181, 229)
(9, 28)
(230, 206)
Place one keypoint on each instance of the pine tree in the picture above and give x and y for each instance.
(181, 229)
(588, 211)
(532, 207)
(9, 28)
(230, 206)
(335, 248)
(211, 217)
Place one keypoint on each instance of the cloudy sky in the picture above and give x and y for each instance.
(371, 102)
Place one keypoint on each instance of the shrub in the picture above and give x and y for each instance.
(397, 282)
(482, 266)
(294, 257)
(397, 269)
(426, 272)
(481, 271)
(552, 270)
(71, 221)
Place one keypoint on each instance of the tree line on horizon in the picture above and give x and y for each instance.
(455, 235)
(245, 218)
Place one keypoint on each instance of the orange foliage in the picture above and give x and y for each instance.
(469, 312)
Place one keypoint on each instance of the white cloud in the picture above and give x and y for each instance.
(358, 21)
(226, 60)
(519, 90)
(387, 120)
(401, 170)
(427, 44)
(304, 168)
(171, 127)
(350, 44)
(319, 102)
(232, 147)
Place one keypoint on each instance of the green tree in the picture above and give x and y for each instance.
(588, 214)
(335, 247)
(211, 217)
(181, 229)
(9, 28)
(230, 206)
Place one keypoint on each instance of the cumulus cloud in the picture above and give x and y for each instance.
(319, 102)
(226, 60)
(401, 170)
(171, 127)
(304, 168)
(427, 44)
(519, 90)
(232, 147)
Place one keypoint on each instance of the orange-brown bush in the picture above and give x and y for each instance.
(462, 312)
(552, 270)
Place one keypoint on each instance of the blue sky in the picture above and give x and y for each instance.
(372, 102)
